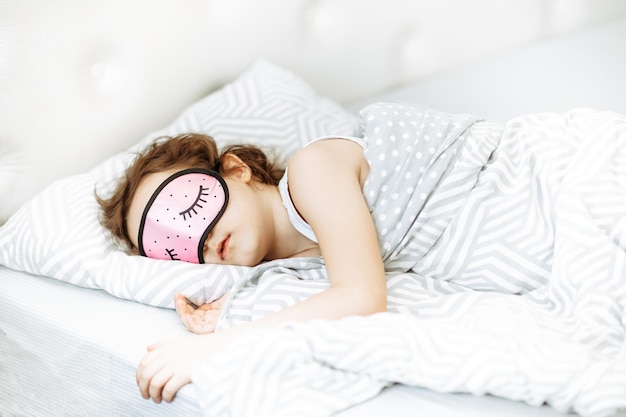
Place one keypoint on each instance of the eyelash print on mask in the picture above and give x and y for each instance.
(172, 254)
(173, 212)
(201, 192)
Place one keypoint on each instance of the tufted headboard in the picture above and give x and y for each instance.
(82, 80)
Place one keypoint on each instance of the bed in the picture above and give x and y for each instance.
(83, 83)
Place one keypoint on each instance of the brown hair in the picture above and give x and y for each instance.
(191, 150)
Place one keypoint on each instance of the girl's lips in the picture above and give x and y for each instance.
(222, 248)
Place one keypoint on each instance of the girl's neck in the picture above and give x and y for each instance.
(287, 241)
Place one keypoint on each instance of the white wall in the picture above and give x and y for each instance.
(82, 80)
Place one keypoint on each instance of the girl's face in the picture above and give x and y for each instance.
(239, 236)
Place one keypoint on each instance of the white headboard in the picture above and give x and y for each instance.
(81, 80)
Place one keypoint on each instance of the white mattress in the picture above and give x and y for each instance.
(66, 350)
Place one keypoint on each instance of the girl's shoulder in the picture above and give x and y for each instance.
(354, 139)
(330, 153)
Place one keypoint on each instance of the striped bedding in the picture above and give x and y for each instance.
(521, 296)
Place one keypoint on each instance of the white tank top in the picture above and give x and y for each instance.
(283, 187)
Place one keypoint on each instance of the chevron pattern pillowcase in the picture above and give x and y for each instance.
(57, 233)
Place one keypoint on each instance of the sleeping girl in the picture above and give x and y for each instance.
(447, 197)
(181, 200)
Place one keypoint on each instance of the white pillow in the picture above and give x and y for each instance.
(57, 233)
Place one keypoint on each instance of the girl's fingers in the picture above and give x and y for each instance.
(178, 305)
(182, 306)
(145, 373)
(157, 383)
(175, 383)
(164, 370)
(152, 377)
(219, 303)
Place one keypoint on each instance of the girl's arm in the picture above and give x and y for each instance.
(325, 183)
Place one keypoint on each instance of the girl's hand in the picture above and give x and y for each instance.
(166, 367)
(202, 319)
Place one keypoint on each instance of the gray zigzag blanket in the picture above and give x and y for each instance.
(506, 276)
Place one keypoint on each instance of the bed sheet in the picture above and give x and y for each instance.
(72, 351)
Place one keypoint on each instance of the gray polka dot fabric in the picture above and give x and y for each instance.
(416, 181)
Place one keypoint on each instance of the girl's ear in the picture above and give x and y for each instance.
(233, 167)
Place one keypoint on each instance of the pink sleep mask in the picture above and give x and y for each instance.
(180, 215)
